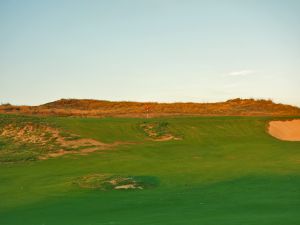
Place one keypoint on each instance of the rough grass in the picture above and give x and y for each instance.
(107, 182)
(31, 138)
(225, 171)
(12, 152)
(159, 131)
(98, 108)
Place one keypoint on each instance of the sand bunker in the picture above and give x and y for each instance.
(288, 130)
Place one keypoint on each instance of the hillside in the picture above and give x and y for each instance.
(98, 108)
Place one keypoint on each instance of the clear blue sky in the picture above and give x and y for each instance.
(149, 50)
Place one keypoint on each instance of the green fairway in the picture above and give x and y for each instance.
(218, 171)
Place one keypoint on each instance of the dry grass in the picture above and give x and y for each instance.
(97, 108)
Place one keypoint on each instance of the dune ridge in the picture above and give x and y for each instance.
(100, 108)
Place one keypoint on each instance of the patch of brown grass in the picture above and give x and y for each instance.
(97, 108)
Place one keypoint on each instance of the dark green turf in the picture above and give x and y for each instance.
(225, 171)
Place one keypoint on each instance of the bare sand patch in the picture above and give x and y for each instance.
(288, 130)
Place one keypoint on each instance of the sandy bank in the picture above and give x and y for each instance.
(285, 130)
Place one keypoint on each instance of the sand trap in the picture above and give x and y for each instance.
(288, 130)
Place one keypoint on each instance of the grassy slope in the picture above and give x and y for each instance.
(226, 170)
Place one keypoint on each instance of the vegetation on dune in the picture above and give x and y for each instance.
(97, 108)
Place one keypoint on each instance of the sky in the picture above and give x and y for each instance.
(149, 50)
